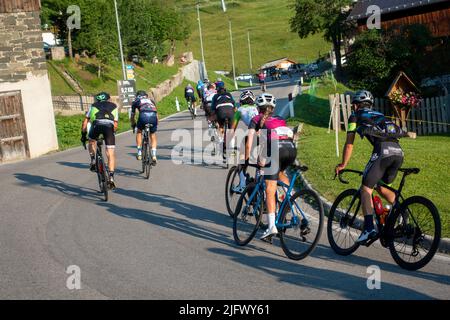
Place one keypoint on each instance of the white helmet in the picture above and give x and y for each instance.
(266, 99)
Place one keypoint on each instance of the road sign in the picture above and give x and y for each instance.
(127, 92)
(130, 73)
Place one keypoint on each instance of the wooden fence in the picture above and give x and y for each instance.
(431, 117)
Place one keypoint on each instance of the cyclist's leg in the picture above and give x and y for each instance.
(154, 141)
(93, 135)
(110, 143)
(390, 174)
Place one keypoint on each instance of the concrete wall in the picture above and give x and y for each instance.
(23, 67)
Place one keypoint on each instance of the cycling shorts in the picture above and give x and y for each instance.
(191, 97)
(148, 118)
(207, 108)
(107, 130)
(383, 165)
(287, 154)
(225, 113)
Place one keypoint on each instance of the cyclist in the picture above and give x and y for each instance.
(219, 83)
(278, 152)
(148, 114)
(189, 94)
(209, 95)
(200, 89)
(245, 113)
(223, 107)
(262, 80)
(386, 159)
(104, 116)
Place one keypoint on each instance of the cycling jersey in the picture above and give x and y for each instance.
(104, 112)
(222, 100)
(276, 127)
(245, 113)
(387, 155)
(143, 105)
(262, 77)
(209, 95)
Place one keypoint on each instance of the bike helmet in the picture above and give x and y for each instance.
(102, 96)
(247, 97)
(266, 100)
(363, 96)
(141, 94)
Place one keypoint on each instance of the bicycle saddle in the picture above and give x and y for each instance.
(409, 171)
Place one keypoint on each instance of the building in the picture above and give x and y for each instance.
(435, 14)
(27, 123)
(283, 63)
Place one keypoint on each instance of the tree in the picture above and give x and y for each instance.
(327, 16)
(368, 63)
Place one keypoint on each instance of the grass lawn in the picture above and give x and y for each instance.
(85, 72)
(268, 22)
(318, 151)
(69, 127)
(59, 85)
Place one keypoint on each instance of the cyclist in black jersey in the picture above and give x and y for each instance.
(386, 159)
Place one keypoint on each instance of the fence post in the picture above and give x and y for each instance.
(291, 105)
(444, 114)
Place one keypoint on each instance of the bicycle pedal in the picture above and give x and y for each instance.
(269, 239)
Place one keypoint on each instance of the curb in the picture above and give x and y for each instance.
(444, 245)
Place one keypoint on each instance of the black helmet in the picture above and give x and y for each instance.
(102, 96)
(141, 94)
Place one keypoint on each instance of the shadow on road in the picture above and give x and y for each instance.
(349, 286)
(67, 189)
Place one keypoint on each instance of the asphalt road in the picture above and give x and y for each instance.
(166, 238)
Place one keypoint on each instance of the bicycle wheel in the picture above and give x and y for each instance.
(147, 164)
(102, 178)
(248, 215)
(414, 233)
(144, 154)
(231, 197)
(303, 235)
(345, 220)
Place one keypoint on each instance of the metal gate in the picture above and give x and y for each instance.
(13, 135)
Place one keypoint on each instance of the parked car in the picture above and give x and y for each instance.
(244, 77)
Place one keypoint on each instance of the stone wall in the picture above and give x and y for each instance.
(23, 68)
(190, 72)
(21, 46)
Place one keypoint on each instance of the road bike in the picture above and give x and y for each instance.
(102, 170)
(411, 229)
(299, 217)
(147, 162)
(192, 109)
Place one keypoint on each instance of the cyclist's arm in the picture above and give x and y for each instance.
(86, 120)
(374, 132)
(248, 147)
(116, 118)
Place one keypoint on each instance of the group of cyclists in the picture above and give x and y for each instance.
(102, 120)
(271, 132)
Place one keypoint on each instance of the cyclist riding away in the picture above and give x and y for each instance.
(245, 113)
(189, 94)
(200, 89)
(386, 160)
(223, 107)
(148, 114)
(104, 116)
(207, 103)
(278, 152)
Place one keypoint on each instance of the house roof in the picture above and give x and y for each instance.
(274, 63)
(387, 6)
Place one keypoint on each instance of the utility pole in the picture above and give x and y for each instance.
(250, 55)
(232, 56)
(205, 73)
(120, 42)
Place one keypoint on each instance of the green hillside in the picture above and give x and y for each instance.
(268, 22)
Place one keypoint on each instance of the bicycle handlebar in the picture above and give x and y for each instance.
(344, 171)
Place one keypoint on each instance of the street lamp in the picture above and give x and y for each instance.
(231, 42)
(120, 42)
(205, 73)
